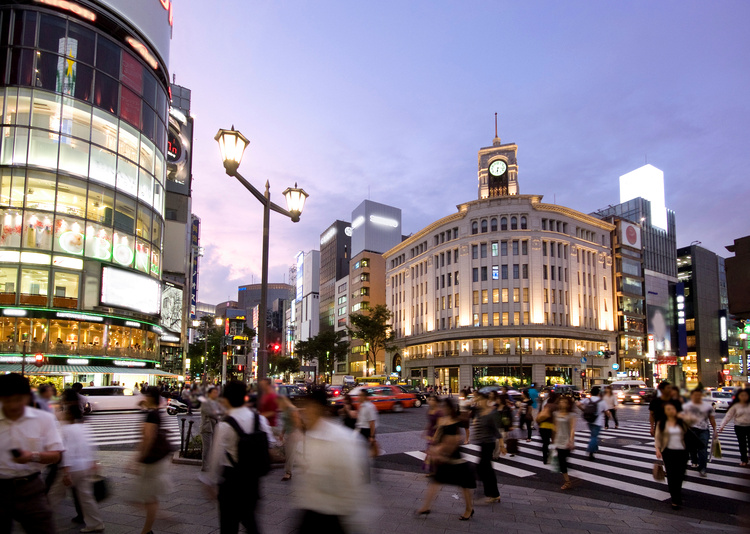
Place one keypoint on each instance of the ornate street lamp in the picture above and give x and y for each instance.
(232, 145)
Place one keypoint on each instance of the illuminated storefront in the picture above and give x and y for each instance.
(83, 103)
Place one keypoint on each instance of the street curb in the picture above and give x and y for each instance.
(177, 459)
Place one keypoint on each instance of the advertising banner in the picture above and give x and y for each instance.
(630, 234)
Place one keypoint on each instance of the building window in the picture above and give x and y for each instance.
(485, 319)
(526, 321)
(493, 225)
(515, 248)
(516, 294)
(525, 248)
(503, 248)
(455, 278)
(475, 275)
(544, 272)
(495, 272)
(525, 294)
(484, 226)
(544, 248)
(523, 223)
(516, 318)
(515, 272)
(476, 319)
(484, 274)
(505, 294)
(546, 296)
(495, 296)
(495, 248)
(525, 273)
(474, 228)
(503, 224)
(483, 250)
(496, 318)
(504, 271)
(513, 223)
(505, 318)
(485, 296)
(474, 252)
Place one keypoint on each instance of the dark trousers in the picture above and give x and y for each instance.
(315, 523)
(562, 458)
(614, 418)
(238, 499)
(486, 471)
(528, 423)
(546, 434)
(699, 448)
(743, 437)
(675, 464)
(26, 502)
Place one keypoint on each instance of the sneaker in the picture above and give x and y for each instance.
(702, 473)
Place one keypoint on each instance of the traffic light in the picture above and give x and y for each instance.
(276, 347)
(583, 374)
(240, 368)
(39, 359)
(601, 353)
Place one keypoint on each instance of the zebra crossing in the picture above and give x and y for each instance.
(124, 428)
(625, 464)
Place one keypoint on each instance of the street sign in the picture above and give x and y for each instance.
(615, 366)
(254, 345)
(584, 360)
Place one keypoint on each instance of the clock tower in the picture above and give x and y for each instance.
(498, 169)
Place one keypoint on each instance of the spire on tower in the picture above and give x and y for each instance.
(496, 140)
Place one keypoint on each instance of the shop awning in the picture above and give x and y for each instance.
(32, 369)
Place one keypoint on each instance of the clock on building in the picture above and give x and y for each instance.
(497, 168)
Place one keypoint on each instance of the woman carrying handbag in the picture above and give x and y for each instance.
(670, 447)
(451, 468)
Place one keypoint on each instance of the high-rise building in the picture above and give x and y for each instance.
(248, 296)
(335, 249)
(706, 316)
(506, 290)
(84, 95)
(375, 227)
(306, 308)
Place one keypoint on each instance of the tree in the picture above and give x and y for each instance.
(327, 348)
(375, 332)
(282, 365)
(210, 347)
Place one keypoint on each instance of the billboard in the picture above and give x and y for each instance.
(659, 315)
(152, 19)
(630, 235)
(179, 152)
(195, 230)
(171, 308)
(125, 289)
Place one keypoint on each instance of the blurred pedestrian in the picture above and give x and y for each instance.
(670, 446)
(29, 440)
(210, 414)
(546, 422)
(526, 414)
(78, 465)
(698, 414)
(565, 431)
(150, 461)
(238, 495)
(611, 402)
(367, 417)
(534, 396)
(656, 407)
(268, 401)
(348, 412)
(451, 469)
(485, 433)
(44, 397)
(434, 413)
(331, 483)
(739, 412)
(593, 409)
(290, 434)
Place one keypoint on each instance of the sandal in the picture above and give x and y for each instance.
(286, 477)
(566, 486)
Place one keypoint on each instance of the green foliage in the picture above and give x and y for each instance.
(38, 380)
(374, 330)
(210, 347)
(281, 365)
(326, 347)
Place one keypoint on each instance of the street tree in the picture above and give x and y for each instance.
(375, 332)
(327, 348)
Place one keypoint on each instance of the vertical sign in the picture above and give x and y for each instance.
(681, 328)
(195, 228)
(723, 334)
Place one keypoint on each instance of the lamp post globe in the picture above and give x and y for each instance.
(232, 145)
(295, 201)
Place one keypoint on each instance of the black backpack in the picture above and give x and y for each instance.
(591, 411)
(253, 458)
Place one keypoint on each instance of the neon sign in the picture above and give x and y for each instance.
(167, 5)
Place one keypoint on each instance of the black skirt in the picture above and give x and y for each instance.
(459, 474)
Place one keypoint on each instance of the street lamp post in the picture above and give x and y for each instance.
(233, 144)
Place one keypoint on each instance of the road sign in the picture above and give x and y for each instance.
(615, 366)
(584, 360)
(254, 345)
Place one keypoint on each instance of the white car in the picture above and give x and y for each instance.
(720, 400)
(103, 398)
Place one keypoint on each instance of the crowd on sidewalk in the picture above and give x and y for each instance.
(47, 451)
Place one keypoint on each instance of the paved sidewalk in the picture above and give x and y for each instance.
(185, 508)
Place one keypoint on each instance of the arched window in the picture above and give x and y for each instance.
(474, 228)
(493, 225)
(513, 223)
(484, 226)
(523, 223)
(504, 224)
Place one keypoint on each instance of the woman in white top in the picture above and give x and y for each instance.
(740, 412)
(610, 401)
(670, 447)
(78, 465)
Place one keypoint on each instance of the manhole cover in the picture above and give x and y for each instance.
(621, 442)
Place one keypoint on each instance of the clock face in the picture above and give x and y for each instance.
(497, 168)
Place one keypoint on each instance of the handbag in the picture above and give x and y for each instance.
(554, 460)
(716, 449)
(101, 489)
(658, 471)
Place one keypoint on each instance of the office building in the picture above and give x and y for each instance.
(507, 290)
(335, 248)
(84, 96)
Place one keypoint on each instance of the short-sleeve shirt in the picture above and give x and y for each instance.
(698, 414)
(601, 407)
(269, 403)
(366, 413)
(35, 431)
(657, 407)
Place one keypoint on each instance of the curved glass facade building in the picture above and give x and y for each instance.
(84, 96)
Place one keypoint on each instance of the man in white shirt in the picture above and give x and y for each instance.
(238, 497)
(330, 452)
(595, 425)
(29, 439)
(698, 414)
(367, 417)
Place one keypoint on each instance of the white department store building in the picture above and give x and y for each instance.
(506, 289)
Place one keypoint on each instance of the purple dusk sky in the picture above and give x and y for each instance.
(391, 100)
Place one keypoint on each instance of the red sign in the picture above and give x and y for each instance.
(726, 371)
(666, 360)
